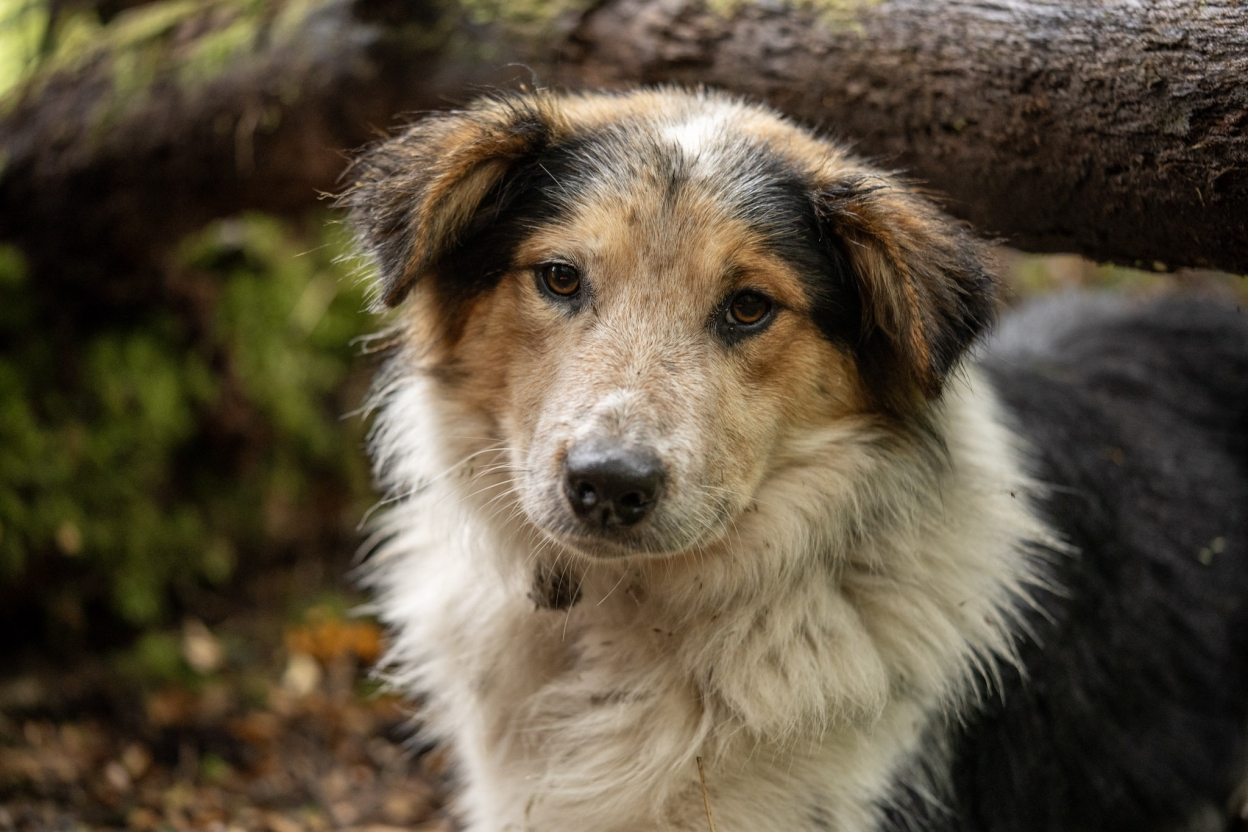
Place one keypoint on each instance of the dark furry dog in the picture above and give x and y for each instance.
(691, 462)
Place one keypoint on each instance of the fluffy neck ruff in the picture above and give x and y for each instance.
(874, 580)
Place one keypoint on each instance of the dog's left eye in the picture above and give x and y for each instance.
(748, 309)
(743, 315)
(559, 279)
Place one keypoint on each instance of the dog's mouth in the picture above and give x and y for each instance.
(608, 544)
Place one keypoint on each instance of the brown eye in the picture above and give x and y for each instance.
(559, 279)
(748, 308)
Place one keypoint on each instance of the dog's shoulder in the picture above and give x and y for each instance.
(1127, 709)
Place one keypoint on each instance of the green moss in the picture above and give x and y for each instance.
(835, 13)
(112, 458)
(76, 31)
(212, 54)
(133, 73)
(144, 24)
(22, 27)
(154, 659)
(214, 769)
(1036, 274)
(141, 47)
(290, 19)
(131, 49)
(523, 16)
(146, 45)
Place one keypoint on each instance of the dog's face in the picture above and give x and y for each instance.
(654, 298)
(646, 349)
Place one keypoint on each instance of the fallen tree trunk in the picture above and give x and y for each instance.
(1118, 130)
(1105, 127)
(236, 106)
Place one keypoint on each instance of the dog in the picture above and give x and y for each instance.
(710, 506)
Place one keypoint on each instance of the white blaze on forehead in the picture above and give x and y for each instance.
(696, 134)
(712, 150)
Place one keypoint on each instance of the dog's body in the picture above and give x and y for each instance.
(687, 463)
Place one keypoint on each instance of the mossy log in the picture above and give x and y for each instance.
(1110, 128)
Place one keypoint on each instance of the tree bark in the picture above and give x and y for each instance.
(1111, 128)
(1115, 129)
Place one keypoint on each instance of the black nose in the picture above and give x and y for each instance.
(611, 484)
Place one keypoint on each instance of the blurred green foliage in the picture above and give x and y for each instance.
(23, 24)
(149, 453)
(155, 659)
(1028, 275)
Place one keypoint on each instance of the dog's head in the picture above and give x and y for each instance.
(654, 297)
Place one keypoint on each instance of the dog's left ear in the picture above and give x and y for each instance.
(411, 198)
(926, 293)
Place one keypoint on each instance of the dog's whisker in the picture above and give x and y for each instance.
(623, 575)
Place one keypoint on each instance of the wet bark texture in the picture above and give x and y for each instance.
(1112, 128)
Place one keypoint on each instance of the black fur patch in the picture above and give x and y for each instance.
(527, 197)
(555, 588)
(782, 210)
(1132, 712)
(820, 819)
(928, 295)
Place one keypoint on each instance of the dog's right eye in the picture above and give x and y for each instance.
(559, 279)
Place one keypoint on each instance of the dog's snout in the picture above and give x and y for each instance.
(612, 484)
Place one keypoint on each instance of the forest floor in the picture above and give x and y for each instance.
(264, 722)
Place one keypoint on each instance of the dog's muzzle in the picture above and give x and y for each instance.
(610, 484)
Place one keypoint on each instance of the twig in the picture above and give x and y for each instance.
(706, 796)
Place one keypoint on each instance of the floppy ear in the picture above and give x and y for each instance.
(925, 291)
(412, 197)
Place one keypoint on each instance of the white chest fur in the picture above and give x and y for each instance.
(801, 657)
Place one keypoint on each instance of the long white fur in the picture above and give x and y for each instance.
(802, 655)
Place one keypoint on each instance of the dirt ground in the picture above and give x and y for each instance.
(249, 725)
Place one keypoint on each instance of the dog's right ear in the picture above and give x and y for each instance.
(411, 197)
(926, 290)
